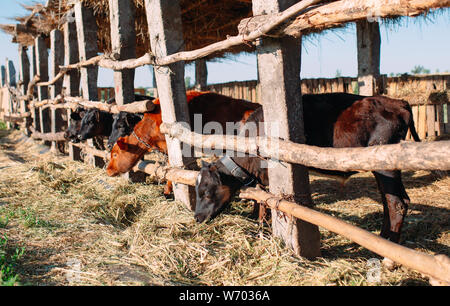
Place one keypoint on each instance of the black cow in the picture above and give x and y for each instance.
(73, 130)
(123, 124)
(101, 123)
(330, 120)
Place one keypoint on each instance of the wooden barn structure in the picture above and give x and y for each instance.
(166, 34)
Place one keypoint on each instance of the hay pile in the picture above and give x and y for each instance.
(121, 233)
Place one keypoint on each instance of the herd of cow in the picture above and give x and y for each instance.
(330, 120)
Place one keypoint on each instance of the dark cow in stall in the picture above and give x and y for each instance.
(147, 136)
(330, 120)
(71, 134)
(123, 124)
(93, 123)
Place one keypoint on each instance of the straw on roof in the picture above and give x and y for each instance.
(204, 22)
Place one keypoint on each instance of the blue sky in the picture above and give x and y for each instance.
(413, 42)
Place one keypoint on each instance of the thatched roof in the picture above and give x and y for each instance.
(204, 22)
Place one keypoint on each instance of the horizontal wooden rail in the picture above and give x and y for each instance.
(47, 136)
(74, 102)
(341, 12)
(402, 156)
(437, 267)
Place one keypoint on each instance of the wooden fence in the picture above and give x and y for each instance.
(46, 113)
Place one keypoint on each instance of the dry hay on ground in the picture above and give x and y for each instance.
(71, 217)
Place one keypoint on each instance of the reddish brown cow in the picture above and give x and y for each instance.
(147, 136)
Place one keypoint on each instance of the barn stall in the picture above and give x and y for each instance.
(90, 22)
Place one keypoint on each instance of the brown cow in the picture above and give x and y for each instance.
(330, 120)
(147, 136)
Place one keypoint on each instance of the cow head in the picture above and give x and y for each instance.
(211, 195)
(91, 124)
(129, 150)
(73, 130)
(123, 125)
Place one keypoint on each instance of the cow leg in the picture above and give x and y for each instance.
(168, 190)
(395, 201)
(385, 228)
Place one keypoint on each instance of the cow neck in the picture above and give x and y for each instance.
(234, 175)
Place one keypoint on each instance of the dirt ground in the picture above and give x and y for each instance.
(81, 227)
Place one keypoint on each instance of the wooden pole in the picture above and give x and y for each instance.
(87, 48)
(42, 71)
(31, 92)
(10, 73)
(123, 41)
(71, 83)
(24, 68)
(3, 76)
(279, 75)
(56, 59)
(201, 74)
(166, 37)
(368, 45)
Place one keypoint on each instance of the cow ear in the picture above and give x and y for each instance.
(97, 115)
(122, 144)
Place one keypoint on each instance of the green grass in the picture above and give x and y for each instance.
(3, 125)
(8, 263)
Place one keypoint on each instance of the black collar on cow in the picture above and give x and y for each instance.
(141, 141)
(237, 171)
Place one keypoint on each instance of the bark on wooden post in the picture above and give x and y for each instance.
(71, 83)
(34, 110)
(87, 48)
(279, 76)
(3, 76)
(369, 42)
(166, 37)
(11, 82)
(201, 74)
(123, 42)
(10, 73)
(56, 59)
(42, 71)
(24, 69)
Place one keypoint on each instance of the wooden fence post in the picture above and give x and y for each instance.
(166, 37)
(71, 83)
(368, 43)
(3, 75)
(34, 111)
(24, 69)
(10, 73)
(42, 71)
(279, 75)
(201, 74)
(11, 82)
(123, 42)
(56, 59)
(87, 48)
